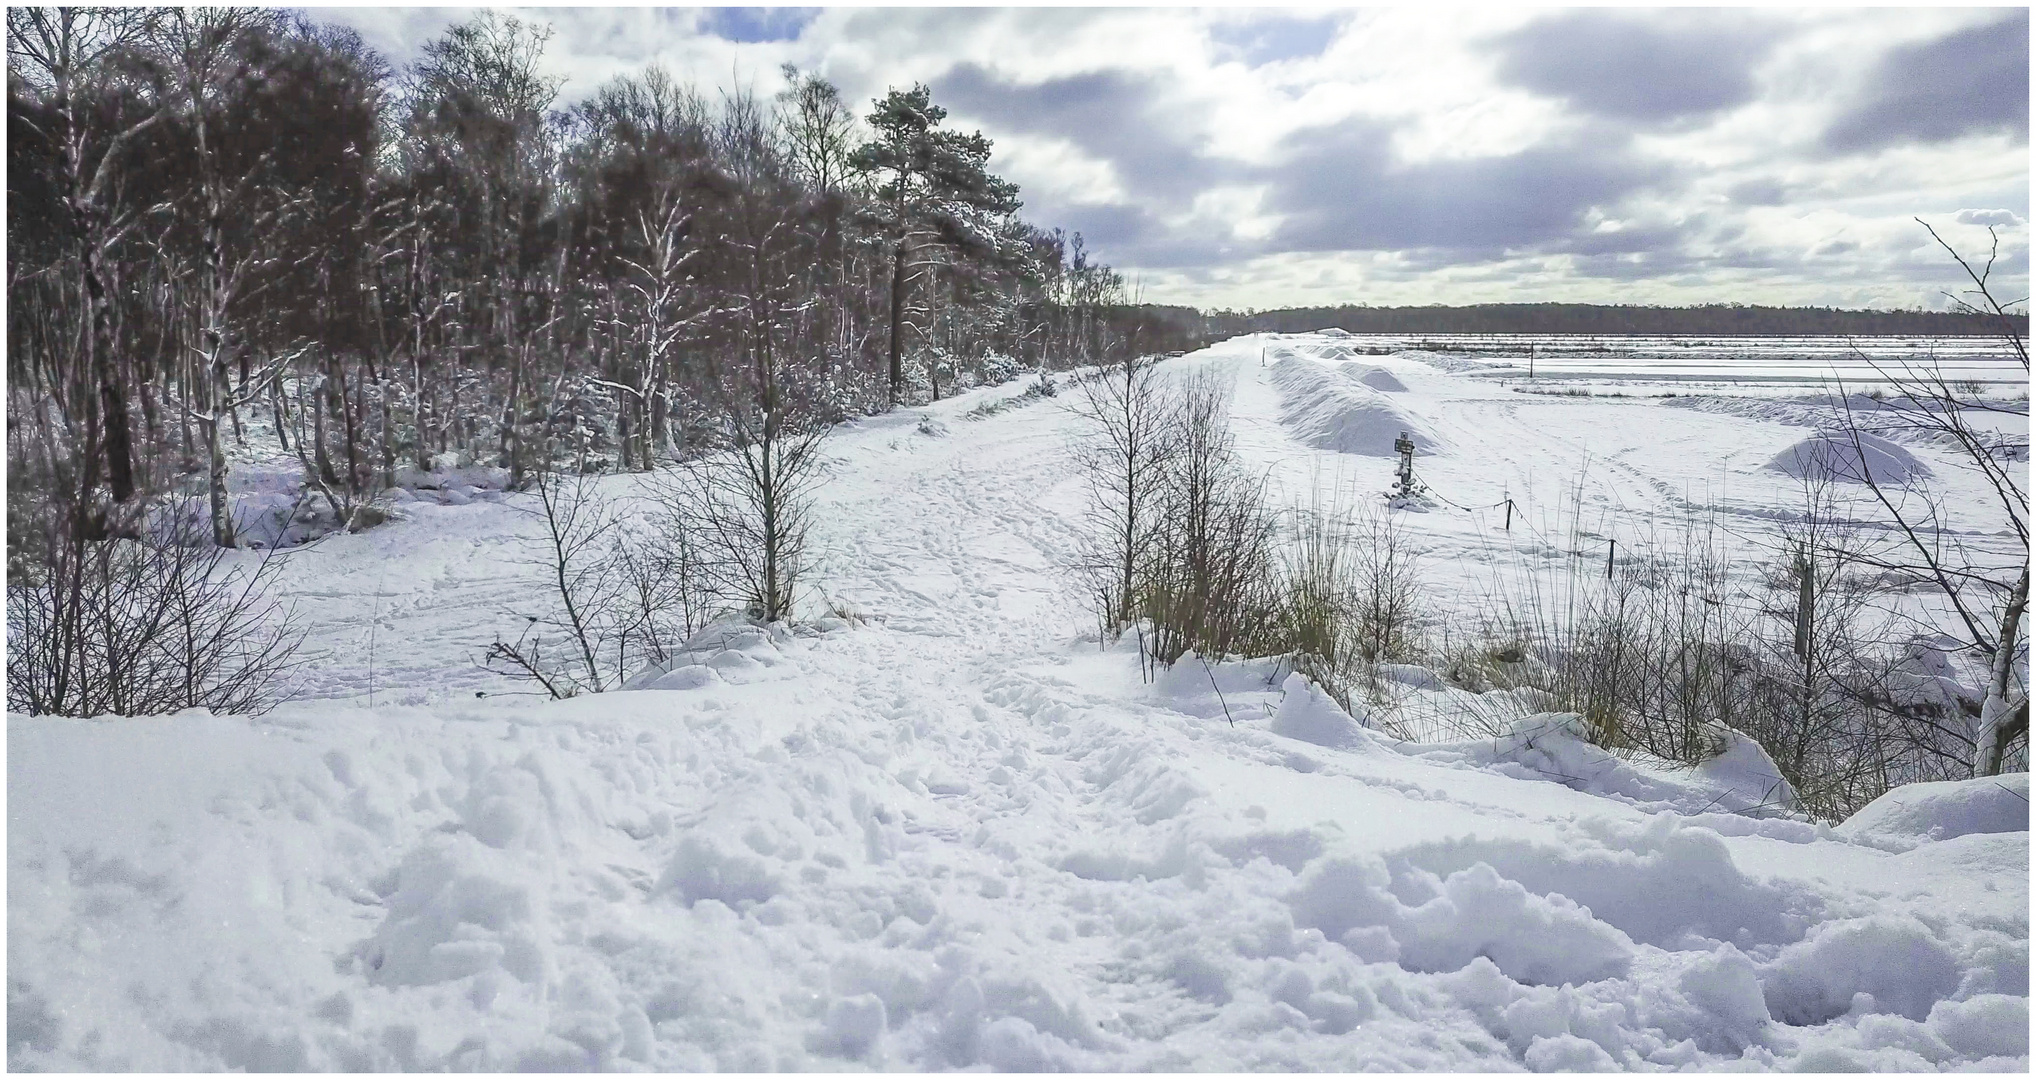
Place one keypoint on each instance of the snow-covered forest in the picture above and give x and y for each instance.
(691, 579)
(224, 211)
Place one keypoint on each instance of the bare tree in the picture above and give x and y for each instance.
(618, 602)
(1990, 599)
(70, 53)
(1124, 455)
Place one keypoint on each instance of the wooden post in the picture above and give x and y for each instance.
(1509, 514)
(1806, 603)
(1609, 552)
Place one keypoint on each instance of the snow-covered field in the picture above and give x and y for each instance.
(956, 832)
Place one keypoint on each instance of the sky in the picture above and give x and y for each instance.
(1262, 158)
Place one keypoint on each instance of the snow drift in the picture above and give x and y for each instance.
(1327, 412)
(1377, 378)
(1833, 456)
(1919, 813)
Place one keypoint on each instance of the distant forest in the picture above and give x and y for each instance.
(1713, 320)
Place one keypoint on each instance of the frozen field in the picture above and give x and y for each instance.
(1742, 362)
(957, 833)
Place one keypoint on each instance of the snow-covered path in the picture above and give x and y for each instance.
(956, 834)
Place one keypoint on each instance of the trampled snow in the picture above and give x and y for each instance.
(951, 830)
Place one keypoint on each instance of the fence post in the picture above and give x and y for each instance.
(1609, 551)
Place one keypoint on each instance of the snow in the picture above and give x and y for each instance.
(1914, 814)
(1834, 456)
(1347, 416)
(1377, 378)
(955, 832)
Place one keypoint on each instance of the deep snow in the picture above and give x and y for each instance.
(955, 832)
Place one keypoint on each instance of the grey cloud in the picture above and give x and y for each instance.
(1113, 116)
(1133, 235)
(1637, 266)
(1758, 193)
(1989, 217)
(1342, 193)
(1650, 68)
(1269, 39)
(1973, 81)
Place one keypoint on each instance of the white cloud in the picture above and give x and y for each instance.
(1733, 196)
(2006, 218)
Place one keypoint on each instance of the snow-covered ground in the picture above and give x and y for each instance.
(956, 832)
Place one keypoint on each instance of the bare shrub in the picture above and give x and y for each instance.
(1386, 575)
(1210, 575)
(621, 598)
(744, 511)
(1319, 586)
(1123, 454)
(1351, 599)
(147, 623)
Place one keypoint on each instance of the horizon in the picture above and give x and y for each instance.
(1263, 158)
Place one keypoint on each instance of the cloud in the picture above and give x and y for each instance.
(1270, 39)
(1975, 81)
(1758, 192)
(1989, 217)
(1409, 155)
(1342, 192)
(1649, 68)
(1114, 116)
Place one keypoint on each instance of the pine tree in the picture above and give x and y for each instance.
(933, 187)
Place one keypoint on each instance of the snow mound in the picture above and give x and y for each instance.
(1742, 766)
(1920, 813)
(1876, 964)
(1327, 412)
(732, 650)
(1309, 714)
(1377, 378)
(1476, 913)
(1739, 782)
(1832, 456)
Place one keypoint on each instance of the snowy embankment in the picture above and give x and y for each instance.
(955, 833)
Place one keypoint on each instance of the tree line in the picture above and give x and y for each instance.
(219, 212)
(235, 224)
(1713, 320)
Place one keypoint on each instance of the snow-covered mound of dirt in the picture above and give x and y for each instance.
(1919, 813)
(1328, 412)
(1834, 456)
(1377, 378)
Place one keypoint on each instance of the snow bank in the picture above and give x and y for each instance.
(1377, 378)
(1832, 456)
(1915, 814)
(1740, 779)
(1326, 412)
